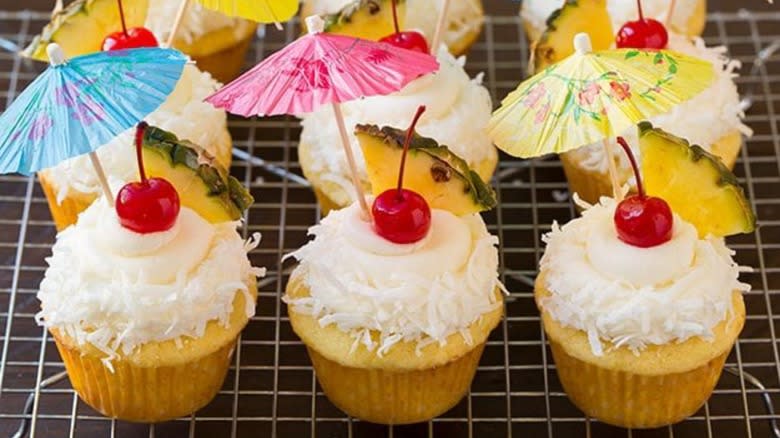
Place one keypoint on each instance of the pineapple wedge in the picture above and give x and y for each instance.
(80, 27)
(368, 19)
(695, 183)
(433, 171)
(203, 184)
(575, 16)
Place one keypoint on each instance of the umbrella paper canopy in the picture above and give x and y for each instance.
(261, 11)
(591, 96)
(320, 69)
(75, 106)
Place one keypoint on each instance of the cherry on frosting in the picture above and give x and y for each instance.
(128, 38)
(401, 215)
(151, 205)
(645, 33)
(641, 220)
(409, 40)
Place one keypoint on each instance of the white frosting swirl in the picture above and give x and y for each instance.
(457, 112)
(421, 292)
(197, 21)
(184, 113)
(631, 296)
(463, 17)
(536, 12)
(116, 289)
(703, 120)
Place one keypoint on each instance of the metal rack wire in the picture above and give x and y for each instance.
(271, 389)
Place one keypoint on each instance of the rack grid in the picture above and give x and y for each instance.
(271, 389)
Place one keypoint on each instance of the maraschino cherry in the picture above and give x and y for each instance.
(641, 220)
(645, 33)
(401, 215)
(409, 40)
(148, 206)
(132, 38)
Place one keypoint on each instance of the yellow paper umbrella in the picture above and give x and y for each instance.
(592, 96)
(261, 11)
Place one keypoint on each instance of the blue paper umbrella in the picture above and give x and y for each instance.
(77, 105)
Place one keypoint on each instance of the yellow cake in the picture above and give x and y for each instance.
(400, 387)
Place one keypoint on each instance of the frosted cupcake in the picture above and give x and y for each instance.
(72, 186)
(459, 109)
(689, 16)
(145, 302)
(395, 310)
(373, 19)
(641, 302)
(712, 120)
(217, 43)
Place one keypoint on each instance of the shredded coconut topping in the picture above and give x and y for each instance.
(423, 292)
(155, 287)
(197, 22)
(682, 302)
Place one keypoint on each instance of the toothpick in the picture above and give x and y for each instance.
(437, 35)
(177, 22)
(669, 13)
(58, 7)
(102, 178)
(271, 13)
(366, 213)
(617, 193)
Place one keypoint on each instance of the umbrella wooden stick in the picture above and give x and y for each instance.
(177, 22)
(669, 13)
(351, 161)
(102, 178)
(270, 11)
(57, 57)
(617, 191)
(437, 35)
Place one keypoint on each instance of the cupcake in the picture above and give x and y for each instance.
(395, 312)
(72, 186)
(688, 18)
(145, 301)
(712, 119)
(641, 300)
(458, 110)
(374, 19)
(217, 43)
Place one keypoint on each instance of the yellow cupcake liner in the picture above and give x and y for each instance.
(226, 64)
(632, 400)
(145, 394)
(396, 396)
(591, 185)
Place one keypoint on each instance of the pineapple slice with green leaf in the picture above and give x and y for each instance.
(575, 16)
(441, 177)
(203, 184)
(368, 19)
(695, 183)
(80, 27)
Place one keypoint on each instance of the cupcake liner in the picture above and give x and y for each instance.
(144, 394)
(393, 396)
(226, 64)
(632, 400)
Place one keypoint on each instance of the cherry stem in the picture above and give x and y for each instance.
(139, 140)
(122, 18)
(407, 141)
(395, 18)
(622, 142)
(639, 8)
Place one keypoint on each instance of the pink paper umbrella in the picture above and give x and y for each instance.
(320, 69)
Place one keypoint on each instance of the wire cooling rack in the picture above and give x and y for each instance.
(271, 389)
